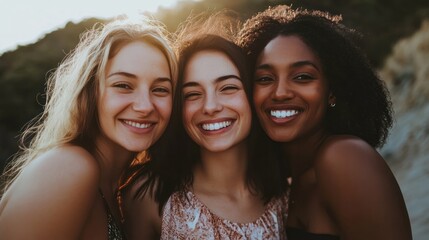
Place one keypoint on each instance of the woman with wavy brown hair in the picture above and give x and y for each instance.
(215, 181)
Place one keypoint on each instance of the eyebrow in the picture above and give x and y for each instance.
(164, 79)
(126, 74)
(217, 80)
(130, 75)
(295, 64)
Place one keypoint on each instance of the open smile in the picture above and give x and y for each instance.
(216, 125)
(283, 113)
(137, 124)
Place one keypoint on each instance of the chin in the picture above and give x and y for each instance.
(217, 148)
(279, 137)
(139, 148)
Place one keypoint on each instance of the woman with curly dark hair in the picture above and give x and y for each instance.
(316, 94)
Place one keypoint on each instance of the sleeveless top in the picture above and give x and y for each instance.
(298, 234)
(113, 229)
(186, 217)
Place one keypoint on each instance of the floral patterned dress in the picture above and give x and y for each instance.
(186, 217)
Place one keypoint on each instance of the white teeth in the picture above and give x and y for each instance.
(216, 126)
(137, 125)
(283, 113)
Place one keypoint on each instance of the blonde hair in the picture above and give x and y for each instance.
(70, 114)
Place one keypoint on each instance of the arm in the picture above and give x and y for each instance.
(52, 198)
(142, 220)
(360, 192)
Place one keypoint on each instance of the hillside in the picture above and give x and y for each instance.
(23, 73)
(406, 72)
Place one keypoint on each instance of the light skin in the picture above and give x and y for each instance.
(217, 116)
(216, 95)
(341, 185)
(216, 110)
(57, 195)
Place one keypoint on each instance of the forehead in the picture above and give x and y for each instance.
(138, 51)
(139, 58)
(287, 49)
(209, 65)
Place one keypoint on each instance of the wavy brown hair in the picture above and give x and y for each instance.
(172, 170)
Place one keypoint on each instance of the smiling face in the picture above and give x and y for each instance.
(290, 91)
(216, 113)
(135, 100)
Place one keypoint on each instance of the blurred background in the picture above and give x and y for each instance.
(395, 37)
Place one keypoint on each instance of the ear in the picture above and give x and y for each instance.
(332, 100)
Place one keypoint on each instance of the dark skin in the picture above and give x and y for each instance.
(346, 189)
(340, 184)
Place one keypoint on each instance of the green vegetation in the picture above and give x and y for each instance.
(23, 72)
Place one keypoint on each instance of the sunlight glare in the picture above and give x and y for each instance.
(26, 23)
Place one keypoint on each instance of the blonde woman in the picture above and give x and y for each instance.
(110, 99)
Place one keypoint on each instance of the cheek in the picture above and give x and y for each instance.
(243, 105)
(318, 97)
(319, 103)
(164, 106)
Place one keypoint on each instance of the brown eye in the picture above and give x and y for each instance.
(122, 85)
(229, 89)
(303, 77)
(264, 80)
(161, 90)
(191, 95)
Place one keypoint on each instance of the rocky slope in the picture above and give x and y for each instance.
(406, 72)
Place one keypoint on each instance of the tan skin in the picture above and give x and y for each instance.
(219, 179)
(340, 184)
(57, 195)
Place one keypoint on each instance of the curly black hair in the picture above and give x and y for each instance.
(363, 107)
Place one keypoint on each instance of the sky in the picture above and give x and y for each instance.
(25, 21)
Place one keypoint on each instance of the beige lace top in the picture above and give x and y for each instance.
(186, 217)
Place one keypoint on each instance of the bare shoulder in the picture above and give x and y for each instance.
(68, 166)
(346, 153)
(142, 219)
(352, 164)
(360, 191)
(72, 164)
(58, 188)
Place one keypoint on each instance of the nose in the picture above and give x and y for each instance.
(212, 104)
(142, 103)
(283, 90)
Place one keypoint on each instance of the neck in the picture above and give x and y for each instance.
(222, 171)
(302, 153)
(113, 160)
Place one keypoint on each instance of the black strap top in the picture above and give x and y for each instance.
(299, 234)
(114, 231)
